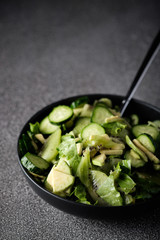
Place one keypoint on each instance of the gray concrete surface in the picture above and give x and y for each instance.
(51, 50)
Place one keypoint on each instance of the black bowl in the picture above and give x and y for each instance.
(146, 112)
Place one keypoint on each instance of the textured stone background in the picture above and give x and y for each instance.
(51, 50)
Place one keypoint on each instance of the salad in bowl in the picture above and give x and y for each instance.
(85, 152)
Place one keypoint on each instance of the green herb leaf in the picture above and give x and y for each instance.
(34, 127)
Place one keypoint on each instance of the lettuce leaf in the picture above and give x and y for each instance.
(105, 188)
(108, 192)
(115, 128)
(116, 172)
(68, 150)
(80, 193)
(126, 183)
(126, 166)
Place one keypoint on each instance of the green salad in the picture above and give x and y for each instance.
(88, 153)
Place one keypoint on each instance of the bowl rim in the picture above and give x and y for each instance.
(52, 195)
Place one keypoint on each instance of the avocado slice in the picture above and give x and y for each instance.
(58, 183)
(62, 166)
(99, 160)
(48, 181)
(61, 181)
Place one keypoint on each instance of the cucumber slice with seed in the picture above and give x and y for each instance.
(34, 163)
(46, 127)
(100, 113)
(144, 128)
(80, 124)
(60, 114)
(136, 149)
(92, 129)
(147, 141)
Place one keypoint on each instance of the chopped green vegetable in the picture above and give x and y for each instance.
(100, 113)
(49, 149)
(136, 162)
(34, 128)
(80, 193)
(126, 183)
(84, 167)
(34, 163)
(68, 149)
(106, 188)
(116, 129)
(88, 154)
(137, 150)
(46, 127)
(60, 114)
(92, 129)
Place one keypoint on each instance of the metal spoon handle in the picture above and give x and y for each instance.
(152, 52)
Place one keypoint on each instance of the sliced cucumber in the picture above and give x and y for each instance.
(100, 113)
(136, 162)
(136, 149)
(134, 154)
(49, 150)
(46, 127)
(26, 145)
(147, 141)
(34, 163)
(80, 124)
(22, 148)
(60, 114)
(144, 128)
(150, 155)
(92, 129)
